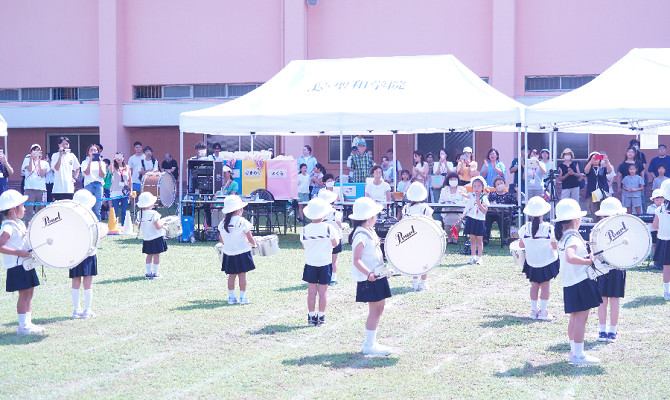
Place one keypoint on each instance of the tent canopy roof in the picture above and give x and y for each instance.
(361, 94)
(3, 127)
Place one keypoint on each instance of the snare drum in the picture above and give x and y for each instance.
(517, 253)
(162, 185)
(72, 227)
(266, 245)
(172, 227)
(608, 235)
(415, 245)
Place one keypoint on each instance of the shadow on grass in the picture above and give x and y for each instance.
(292, 288)
(501, 321)
(41, 321)
(644, 301)
(203, 305)
(565, 347)
(560, 368)
(12, 339)
(344, 360)
(401, 290)
(272, 329)
(122, 280)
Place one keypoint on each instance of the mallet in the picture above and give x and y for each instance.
(624, 242)
(49, 241)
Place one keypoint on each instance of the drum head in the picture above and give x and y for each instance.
(166, 192)
(612, 231)
(415, 245)
(73, 229)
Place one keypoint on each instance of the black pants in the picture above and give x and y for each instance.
(62, 196)
(490, 219)
(50, 197)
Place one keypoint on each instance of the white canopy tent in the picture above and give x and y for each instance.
(380, 95)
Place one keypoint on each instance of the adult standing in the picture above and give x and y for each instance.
(493, 167)
(350, 164)
(216, 147)
(639, 156)
(596, 171)
(94, 175)
(135, 164)
(536, 172)
(5, 171)
(398, 166)
(631, 158)
(661, 159)
(467, 167)
(310, 161)
(362, 162)
(569, 176)
(514, 169)
(545, 158)
(66, 170)
(149, 163)
(170, 165)
(35, 170)
(121, 178)
(388, 172)
(378, 190)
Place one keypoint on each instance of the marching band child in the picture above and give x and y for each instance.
(541, 263)
(14, 247)
(87, 268)
(580, 293)
(416, 194)
(612, 285)
(662, 225)
(318, 239)
(475, 222)
(334, 218)
(367, 255)
(657, 200)
(151, 226)
(235, 235)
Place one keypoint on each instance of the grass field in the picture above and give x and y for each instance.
(467, 337)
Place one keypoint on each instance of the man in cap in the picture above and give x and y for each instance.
(35, 170)
(361, 162)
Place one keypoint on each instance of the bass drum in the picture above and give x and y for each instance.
(415, 245)
(162, 185)
(608, 235)
(72, 227)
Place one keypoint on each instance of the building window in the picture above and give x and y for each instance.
(453, 142)
(89, 93)
(334, 153)
(177, 92)
(577, 142)
(9, 94)
(36, 94)
(148, 92)
(209, 91)
(216, 91)
(50, 94)
(239, 143)
(78, 143)
(556, 83)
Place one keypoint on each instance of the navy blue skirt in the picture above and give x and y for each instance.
(320, 275)
(370, 292)
(155, 246)
(337, 249)
(581, 296)
(88, 267)
(20, 279)
(662, 253)
(544, 274)
(612, 284)
(474, 227)
(238, 264)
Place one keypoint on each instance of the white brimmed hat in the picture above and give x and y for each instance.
(610, 206)
(317, 208)
(467, 150)
(146, 199)
(85, 197)
(568, 209)
(656, 193)
(226, 169)
(536, 207)
(416, 192)
(665, 189)
(364, 208)
(10, 199)
(479, 178)
(35, 145)
(328, 196)
(232, 203)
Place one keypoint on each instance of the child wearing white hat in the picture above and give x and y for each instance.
(662, 225)
(580, 294)
(14, 248)
(475, 220)
(542, 264)
(86, 269)
(657, 200)
(318, 239)
(235, 235)
(334, 218)
(151, 226)
(611, 285)
(416, 194)
(367, 255)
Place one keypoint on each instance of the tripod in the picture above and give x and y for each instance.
(550, 185)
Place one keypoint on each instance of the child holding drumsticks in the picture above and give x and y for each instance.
(417, 193)
(475, 222)
(662, 225)
(334, 218)
(86, 269)
(151, 226)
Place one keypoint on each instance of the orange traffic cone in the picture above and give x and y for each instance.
(112, 224)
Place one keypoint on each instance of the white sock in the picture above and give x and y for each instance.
(243, 294)
(75, 298)
(603, 327)
(667, 287)
(311, 314)
(334, 276)
(415, 283)
(612, 328)
(156, 266)
(370, 337)
(543, 305)
(422, 281)
(149, 268)
(231, 293)
(22, 320)
(88, 298)
(533, 305)
(321, 314)
(579, 349)
(572, 346)
(29, 318)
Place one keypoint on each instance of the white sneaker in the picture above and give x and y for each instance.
(479, 261)
(232, 300)
(585, 359)
(472, 260)
(29, 330)
(38, 328)
(88, 314)
(571, 357)
(76, 314)
(423, 286)
(666, 295)
(244, 300)
(415, 284)
(376, 348)
(545, 316)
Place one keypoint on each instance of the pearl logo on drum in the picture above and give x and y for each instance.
(612, 236)
(403, 237)
(50, 221)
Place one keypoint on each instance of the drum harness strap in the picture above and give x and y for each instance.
(317, 237)
(153, 164)
(24, 233)
(591, 274)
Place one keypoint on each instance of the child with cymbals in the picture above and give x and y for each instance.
(318, 239)
(542, 264)
(334, 218)
(151, 226)
(86, 269)
(475, 220)
(662, 225)
(416, 194)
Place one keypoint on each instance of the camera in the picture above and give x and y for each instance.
(599, 157)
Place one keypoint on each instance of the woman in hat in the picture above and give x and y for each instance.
(569, 176)
(416, 194)
(334, 218)
(151, 226)
(662, 225)
(367, 255)
(235, 235)
(541, 264)
(596, 171)
(228, 185)
(14, 249)
(467, 167)
(121, 184)
(86, 269)
(580, 294)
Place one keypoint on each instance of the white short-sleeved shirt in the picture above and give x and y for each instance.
(94, 173)
(441, 169)
(18, 240)
(378, 192)
(134, 162)
(332, 219)
(572, 274)
(475, 212)
(33, 178)
(149, 231)
(417, 209)
(372, 253)
(148, 165)
(651, 210)
(303, 183)
(663, 222)
(63, 178)
(317, 239)
(539, 252)
(235, 241)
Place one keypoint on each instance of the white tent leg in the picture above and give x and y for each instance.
(341, 168)
(395, 165)
(181, 168)
(525, 161)
(252, 142)
(518, 183)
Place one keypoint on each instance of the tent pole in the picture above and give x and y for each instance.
(252, 141)
(518, 188)
(395, 165)
(341, 168)
(6, 144)
(525, 161)
(181, 168)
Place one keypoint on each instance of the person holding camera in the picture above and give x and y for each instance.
(35, 170)
(66, 170)
(536, 170)
(569, 176)
(94, 175)
(5, 171)
(596, 170)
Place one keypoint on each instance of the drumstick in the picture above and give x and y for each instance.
(454, 229)
(49, 241)
(387, 275)
(624, 242)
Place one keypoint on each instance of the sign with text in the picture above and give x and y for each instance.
(277, 174)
